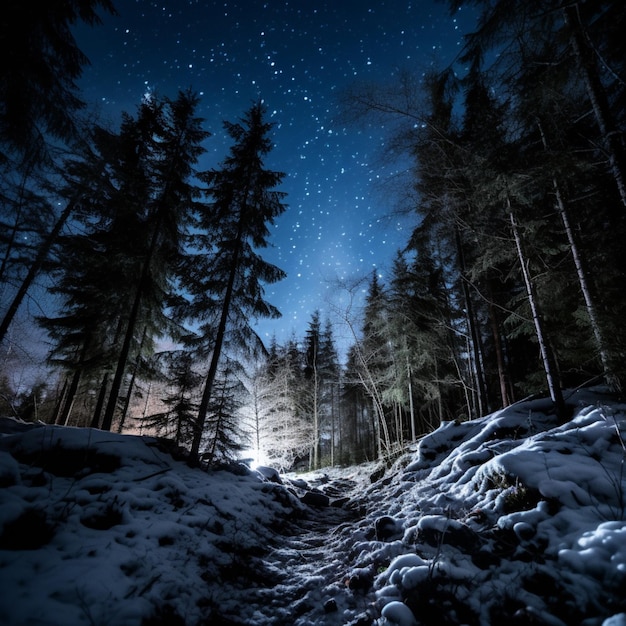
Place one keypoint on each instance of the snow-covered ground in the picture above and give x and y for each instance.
(512, 519)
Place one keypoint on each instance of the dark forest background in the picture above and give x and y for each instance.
(511, 283)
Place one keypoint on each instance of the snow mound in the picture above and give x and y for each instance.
(516, 518)
(102, 528)
(512, 518)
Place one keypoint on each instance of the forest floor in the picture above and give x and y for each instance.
(515, 518)
(303, 578)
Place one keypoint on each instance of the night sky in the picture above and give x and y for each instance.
(297, 56)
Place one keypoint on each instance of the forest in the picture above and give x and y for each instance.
(511, 283)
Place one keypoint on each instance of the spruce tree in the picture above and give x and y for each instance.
(331, 384)
(226, 287)
(313, 377)
(419, 339)
(180, 399)
(39, 112)
(175, 146)
(116, 275)
(225, 434)
(39, 98)
(376, 360)
(321, 371)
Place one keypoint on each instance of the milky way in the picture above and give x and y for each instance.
(297, 56)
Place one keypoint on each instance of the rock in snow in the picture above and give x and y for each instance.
(398, 614)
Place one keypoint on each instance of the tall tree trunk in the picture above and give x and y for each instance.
(34, 269)
(594, 321)
(411, 403)
(131, 384)
(144, 413)
(219, 342)
(477, 370)
(316, 417)
(69, 398)
(585, 288)
(64, 416)
(57, 409)
(609, 133)
(95, 420)
(497, 342)
(116, 384)
(333, 427)
(547, 357)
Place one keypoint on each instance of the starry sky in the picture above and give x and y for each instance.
(298, 56)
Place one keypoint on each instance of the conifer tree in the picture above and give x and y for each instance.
(555, 130)
(331, 383)
(116, 276)
(41, 64)
(313, 377)
(39, 112)
(419, 340)
(227, 291)
(375, 359)
(225, 434)
(180, 400)
(320, 380)
(176, 141)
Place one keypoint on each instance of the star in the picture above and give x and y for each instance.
(297, 57)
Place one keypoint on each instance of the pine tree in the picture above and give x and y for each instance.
(419, 339)
(375, 360)
(180, 400)
(321, 371)
(331, 384)
(116, 277)
(500, 191)
(41, 64)
(555, 91)
(228, 290)
(556, 128)
(314, 385)
(177, 140)
(224, 434)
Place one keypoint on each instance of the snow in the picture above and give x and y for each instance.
(516, 518)
(398, 614)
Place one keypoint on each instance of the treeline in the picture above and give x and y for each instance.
(140, 249)
(520, 194)
(404, 373)
(511, 283)
(513, 280)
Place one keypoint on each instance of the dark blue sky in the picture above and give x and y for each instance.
(297, 56)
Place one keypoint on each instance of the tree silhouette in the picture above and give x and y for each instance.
(227, 285)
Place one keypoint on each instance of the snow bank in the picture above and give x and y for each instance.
(515, 518)
(102, 528)
(512, 518)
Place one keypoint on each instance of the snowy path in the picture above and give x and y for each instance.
(514, 516)
(301, 581)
